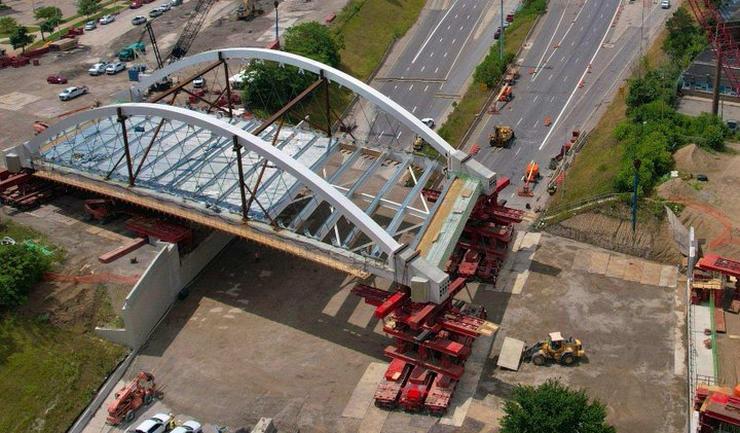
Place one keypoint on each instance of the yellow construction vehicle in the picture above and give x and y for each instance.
(419, 144)
(556, 348)
(502, 136)
(248, 10)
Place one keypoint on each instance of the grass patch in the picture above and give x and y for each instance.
(47, 374)
(463, 115)
(368, 27)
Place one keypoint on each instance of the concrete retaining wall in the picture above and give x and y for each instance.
(157, 289)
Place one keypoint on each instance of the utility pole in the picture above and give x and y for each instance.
(642, 34)
(501, 38)
(717, 72)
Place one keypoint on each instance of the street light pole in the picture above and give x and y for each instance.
(277, 34)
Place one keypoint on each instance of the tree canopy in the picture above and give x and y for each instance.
(47, 13)
(315, 41)
(685, 39)
(19, 38)
(553, 408)
(88, 7)
(8, 24)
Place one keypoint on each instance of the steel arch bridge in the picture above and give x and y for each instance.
(267, 182)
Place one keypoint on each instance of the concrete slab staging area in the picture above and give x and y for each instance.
(272, 335)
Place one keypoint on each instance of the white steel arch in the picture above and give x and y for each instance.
(457, 160)
(410, 268)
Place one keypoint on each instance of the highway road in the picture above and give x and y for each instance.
(448, 41)
(569, 38)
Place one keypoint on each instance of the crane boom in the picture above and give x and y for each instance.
(192, 27)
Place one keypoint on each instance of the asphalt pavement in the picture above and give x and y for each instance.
(557, 82)
(448, 42)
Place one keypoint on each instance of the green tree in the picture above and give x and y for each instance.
(22, 268)
(685, 39)
(87, 7)
(8, 24)
(19, 38)
(315, 41)
(46, 13)
(270, 86)
(553, 408)
(47, 26)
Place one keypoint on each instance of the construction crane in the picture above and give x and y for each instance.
(725, 47)
(192, 27)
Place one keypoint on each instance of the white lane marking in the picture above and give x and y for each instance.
(395, 87)
(577, 59)
(517, 151)
(575, 89)
(461, 28)
(550, 77)
(513, 194)
(468, 17)
(552, 99)
(448, 27)
(453, 41)
(440, 39)
(426, 88)
(445, 54)
(573, 43)
(431, 54)
(399, 135)
(520, 121)
(422, 68)
(408, 67)
(565, 78)
(434, 31)
(549, 44)
(381, 133)
(411, 87)
(567, 31)
(436, 69)
(536, 98)
(465, 42)
(413, 110)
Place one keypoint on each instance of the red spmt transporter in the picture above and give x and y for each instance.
(140, 391)
(431, 344)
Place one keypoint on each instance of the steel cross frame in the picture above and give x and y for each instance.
(415, 191)
(264, 165)
(187, 81)
(281, 112)
(314, 203)
(334, 217)
(373, 206)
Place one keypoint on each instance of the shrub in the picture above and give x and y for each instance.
(21, 269)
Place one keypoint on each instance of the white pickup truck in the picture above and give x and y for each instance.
(72, 92)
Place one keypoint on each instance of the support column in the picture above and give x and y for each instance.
(717, 78)
(228, 84)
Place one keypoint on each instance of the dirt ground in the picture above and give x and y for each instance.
(712, 207)
(284, 338)
(76, 291)
(610, 227)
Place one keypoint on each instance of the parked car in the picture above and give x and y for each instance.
(497, 34)
(136, 4)
(510, 18)
(115, 68)
(154, 13)
(176, 2)
(90, 25)
(156, 424)
(72, 92)
(148, 1)
(164, 7)
(56, 79)
(138, 20)
(428, 121)
(191, 426)
(106, 19)
(199, 82)
(97, 69)
(665, 4)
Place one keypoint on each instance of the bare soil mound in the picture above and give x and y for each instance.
(694, 159)
(610, 228)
